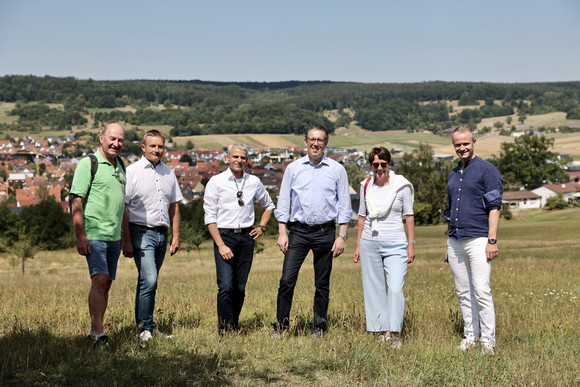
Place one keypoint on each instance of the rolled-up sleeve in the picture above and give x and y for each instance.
(493, 186)
(264, 198)
(210, 202)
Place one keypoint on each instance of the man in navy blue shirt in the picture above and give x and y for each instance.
(474, 193)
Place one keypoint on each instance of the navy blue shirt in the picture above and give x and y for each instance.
(471, 194)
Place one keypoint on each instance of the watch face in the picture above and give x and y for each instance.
(492, 241)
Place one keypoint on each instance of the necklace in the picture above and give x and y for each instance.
(240, 192)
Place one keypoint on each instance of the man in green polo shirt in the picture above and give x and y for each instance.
(97, 204)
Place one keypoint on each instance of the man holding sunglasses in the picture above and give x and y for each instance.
(229, 215)
(313, 196)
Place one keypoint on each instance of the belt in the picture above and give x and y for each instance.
(312, 227)
(236, 230)
(159, 229)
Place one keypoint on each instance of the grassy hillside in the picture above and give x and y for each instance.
(535, 286)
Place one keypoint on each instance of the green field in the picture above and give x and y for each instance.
(535, 285)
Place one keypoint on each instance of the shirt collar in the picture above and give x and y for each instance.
(468, 162)
(147, 164)
(231, 175)
(306, 160)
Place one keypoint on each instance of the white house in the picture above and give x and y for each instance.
(521, 200)
(570, 191)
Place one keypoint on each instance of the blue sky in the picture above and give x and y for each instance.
(360, 40)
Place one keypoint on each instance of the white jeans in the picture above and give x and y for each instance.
(471, 272)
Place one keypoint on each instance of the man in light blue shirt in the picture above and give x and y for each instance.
(313, 195)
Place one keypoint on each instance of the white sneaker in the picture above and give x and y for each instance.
(385, 339)
(396, 342)
(467, 344)
(487, 349)
(145, 336)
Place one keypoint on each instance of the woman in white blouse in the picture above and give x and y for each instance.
(382, 247)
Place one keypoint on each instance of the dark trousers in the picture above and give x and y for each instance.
(232, 276)
(300, 242)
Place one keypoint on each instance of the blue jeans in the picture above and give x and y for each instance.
(383, 267)
(300, 242)
(149, 250)
(232, 276)
(103, 258)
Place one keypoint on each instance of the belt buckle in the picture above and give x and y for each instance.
(237, 230)
(311, 227)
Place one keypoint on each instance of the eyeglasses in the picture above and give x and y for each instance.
(240, 201)
(314, 140)
(383, 165)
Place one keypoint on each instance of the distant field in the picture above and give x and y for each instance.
(5, 108)
(357, 138)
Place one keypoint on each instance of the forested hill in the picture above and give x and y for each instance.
(204, 107)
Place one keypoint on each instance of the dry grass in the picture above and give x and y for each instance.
(535, 282)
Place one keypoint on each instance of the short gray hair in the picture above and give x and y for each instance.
(240, 146)
(465, 129)
(104, 130)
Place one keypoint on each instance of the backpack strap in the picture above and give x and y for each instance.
(367, 181)
(120, 161)
(94, 167)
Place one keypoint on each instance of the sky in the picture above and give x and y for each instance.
(271, 40)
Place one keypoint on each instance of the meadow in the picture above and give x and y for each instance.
(535, 282)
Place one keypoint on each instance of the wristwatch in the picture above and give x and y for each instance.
(345, 237)
(492, 241)
(263, 228)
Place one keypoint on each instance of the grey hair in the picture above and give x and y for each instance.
(240, 146)
(107, 127)
(465, 129)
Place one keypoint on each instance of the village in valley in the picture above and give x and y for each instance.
(34, 168)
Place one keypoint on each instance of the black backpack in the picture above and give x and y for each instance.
(95, 166)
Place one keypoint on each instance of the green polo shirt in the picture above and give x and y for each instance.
(103, 209)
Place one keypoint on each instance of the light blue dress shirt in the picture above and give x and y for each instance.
(314, 194)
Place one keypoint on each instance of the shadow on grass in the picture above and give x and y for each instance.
(39, 357)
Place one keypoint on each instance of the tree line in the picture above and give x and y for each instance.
(196, 107)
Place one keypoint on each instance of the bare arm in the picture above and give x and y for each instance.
(83, 246)
(491, 251)
(257, 231)
(282, 237)
(224, 250)
(126, 236)
(410, 222)
(359, 229)
(339, 244)
(174, 220)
